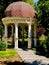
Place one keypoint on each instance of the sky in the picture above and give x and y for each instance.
(35, 0)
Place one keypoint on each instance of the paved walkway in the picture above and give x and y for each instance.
(30, 58)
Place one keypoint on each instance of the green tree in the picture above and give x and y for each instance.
(31, 2)
(42, 8)
(43, 14)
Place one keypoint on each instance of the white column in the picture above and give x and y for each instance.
(29, 36)
(16, 36)
(35, 40)
(5, 34)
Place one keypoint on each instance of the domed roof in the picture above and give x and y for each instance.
(20, 9)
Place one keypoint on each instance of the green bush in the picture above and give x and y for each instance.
(43, 45)
(47, 43)
(3, 46)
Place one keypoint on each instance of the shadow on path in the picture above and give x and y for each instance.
(22, 63)
(14, 63)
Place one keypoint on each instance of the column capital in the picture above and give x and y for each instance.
(29, 23)
(5, 24)
(16, 23)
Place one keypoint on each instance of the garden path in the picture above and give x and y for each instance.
(30, 58)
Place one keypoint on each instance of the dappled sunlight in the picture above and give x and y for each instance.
(9, 53)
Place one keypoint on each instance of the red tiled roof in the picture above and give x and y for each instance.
(21, 9)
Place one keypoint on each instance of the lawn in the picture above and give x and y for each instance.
(9, 53)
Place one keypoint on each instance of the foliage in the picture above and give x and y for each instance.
(31, 2)
(42, 41)
(38, 13)
(3, 45)
(43, 46)
(8, 53)
(47, 43)
(43, 14)
(48, 39)
(21, 31)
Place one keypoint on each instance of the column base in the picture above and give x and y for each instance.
(5, 39)
(16, 48)
(16, 43)
(29, 43)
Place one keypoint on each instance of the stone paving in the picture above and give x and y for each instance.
(30, 58)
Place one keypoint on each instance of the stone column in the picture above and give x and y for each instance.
(29, 36)
(16, 35)
(5, 33)
(12, 36)
(35, 40)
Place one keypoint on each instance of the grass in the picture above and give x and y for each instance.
(9, 53)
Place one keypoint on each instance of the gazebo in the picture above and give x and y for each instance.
(19, 13)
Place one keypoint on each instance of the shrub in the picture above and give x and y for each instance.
(47, 43)
(3, 45)
(42, 47)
